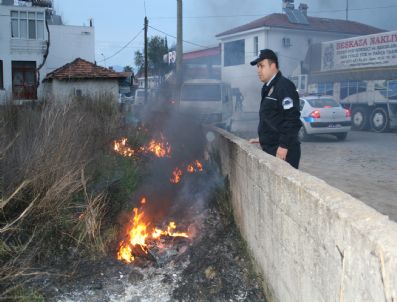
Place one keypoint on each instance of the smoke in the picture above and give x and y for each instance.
(375, 13)
(190, 196)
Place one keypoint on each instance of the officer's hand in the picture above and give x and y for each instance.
(282, 153)
(254, 141)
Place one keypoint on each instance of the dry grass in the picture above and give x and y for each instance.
(48, 206)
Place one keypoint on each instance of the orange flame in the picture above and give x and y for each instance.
(159, 148)
(176, 176)
(169, 232)
(139, 233)
(199, 165)
(121, 148)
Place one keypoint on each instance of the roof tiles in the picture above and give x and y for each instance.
(82, 69)
(315, 24)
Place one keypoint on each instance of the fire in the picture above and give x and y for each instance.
(197, 166)
(159, 148)
(169, 232)
(176, 176)
(121, 148)
(139, 232)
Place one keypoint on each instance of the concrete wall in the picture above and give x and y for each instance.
(68, 43)
(64, 90)
(310, 241)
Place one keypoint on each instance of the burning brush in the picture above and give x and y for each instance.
(141, 236)
(159, 148)
(196, 166)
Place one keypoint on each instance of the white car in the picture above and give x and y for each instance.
(323, 115)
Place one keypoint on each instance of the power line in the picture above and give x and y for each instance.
(355, 9)
(261, 15)
(122, 48)
(188, 42)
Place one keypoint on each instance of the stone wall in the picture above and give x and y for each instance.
(310, 241)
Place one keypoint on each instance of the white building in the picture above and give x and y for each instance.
(29, 49)
(289, 34)
(153, 82)
(82, 78)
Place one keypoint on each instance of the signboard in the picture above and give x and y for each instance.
(170, 57)
(363, 51)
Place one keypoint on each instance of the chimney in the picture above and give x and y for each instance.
(288, 4)
(303, 8)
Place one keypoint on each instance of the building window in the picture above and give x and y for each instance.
(1, 75)
(27, 25)
(352, 87)
(256, 46)
(287, 42)
(234, 53)
(326, 88)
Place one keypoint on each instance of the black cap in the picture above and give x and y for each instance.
(265, 54)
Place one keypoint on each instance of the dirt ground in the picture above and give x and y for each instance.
(214, 267)
(211, 266)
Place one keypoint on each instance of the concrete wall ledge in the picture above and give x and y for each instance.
(310, 241)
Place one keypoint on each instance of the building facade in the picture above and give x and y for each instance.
(289, 34)
(81, 78)
(34, 42)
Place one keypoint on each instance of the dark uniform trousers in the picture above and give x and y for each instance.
(293, 154)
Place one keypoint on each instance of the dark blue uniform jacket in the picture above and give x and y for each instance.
(279, 115)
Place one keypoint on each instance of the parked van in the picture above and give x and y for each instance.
(208, 99)
(139, 96)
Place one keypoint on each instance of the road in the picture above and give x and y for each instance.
(365, 165)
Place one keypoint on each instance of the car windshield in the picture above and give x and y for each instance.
(323, 103)
(201, 92)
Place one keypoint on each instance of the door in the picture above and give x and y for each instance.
(24, 80)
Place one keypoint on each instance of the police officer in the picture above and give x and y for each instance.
(279, 116)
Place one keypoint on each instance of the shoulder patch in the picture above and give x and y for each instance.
(288, 103)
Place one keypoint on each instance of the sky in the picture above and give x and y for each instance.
(119, 22)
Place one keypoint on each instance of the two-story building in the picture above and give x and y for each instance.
(289, 34)
(33, 43)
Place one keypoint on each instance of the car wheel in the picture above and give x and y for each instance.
(379, 120)
(359, 118)
(341, 136)
(302, 134)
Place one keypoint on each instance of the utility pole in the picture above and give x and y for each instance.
(347, 10)
(179, 46)
(146, 22)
